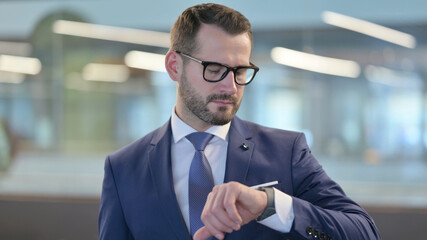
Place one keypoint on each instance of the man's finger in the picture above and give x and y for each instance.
(202, 234)
(230, 207)
(219, 212)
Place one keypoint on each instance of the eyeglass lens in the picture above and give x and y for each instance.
(216, 72)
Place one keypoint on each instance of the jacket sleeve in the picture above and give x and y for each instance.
(321, 208)
(111, 221)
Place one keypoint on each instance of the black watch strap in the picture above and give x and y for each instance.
(270, 209)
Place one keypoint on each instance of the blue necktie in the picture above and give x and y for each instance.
(200, 180)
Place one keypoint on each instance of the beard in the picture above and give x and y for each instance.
(199, 106)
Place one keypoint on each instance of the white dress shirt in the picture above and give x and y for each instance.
(216, 154)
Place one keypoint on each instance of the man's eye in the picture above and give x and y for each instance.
(241, 72)
(214, 69)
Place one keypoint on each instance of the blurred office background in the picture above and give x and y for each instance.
(80, 79)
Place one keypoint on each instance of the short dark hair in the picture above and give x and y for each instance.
(185, 28)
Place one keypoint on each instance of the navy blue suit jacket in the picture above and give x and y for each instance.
(138, 199)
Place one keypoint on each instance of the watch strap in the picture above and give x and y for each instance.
(271, 208)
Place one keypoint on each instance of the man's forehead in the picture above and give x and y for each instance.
(209, 33)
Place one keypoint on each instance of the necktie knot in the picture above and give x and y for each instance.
(199, 140)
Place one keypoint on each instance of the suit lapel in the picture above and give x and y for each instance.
(239, 154)
(161, 172)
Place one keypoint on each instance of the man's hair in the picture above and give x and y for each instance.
(184, 30)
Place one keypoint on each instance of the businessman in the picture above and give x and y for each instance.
(207, 174)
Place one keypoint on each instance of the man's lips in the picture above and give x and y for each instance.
(222, 102)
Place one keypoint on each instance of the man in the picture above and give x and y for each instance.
(153, 190)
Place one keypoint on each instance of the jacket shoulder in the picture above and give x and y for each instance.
(140, 146)
(260, 131)
(273, 139)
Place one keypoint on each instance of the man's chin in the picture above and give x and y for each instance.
(222, 109)
(220, 121)
(222, 117)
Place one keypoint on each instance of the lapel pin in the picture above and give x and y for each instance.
(244, 146)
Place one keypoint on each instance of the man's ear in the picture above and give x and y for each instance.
(173, 63)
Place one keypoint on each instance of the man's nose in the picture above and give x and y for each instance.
(228, 85)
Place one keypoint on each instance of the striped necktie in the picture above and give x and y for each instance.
(200, 180)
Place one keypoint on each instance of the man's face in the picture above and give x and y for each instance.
(198, 104)
(202, 103)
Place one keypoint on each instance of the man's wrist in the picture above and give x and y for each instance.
(270, 209)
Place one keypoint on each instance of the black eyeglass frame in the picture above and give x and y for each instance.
(234, 69)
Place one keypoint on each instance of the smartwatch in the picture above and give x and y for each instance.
(270, 209)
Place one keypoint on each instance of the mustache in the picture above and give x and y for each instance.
(226, 97)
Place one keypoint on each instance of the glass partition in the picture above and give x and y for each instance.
(82, 98)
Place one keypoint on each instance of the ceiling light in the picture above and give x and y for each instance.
(145, 60)
(315, 63)
(119, 34)
(371, 29)
(25, 65)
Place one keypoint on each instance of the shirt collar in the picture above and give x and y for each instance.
(180, 129)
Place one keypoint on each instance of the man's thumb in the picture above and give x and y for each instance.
(202, 234)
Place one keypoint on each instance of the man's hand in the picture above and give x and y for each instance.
(228, 207)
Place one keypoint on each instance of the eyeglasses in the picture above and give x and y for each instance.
(215, 72)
